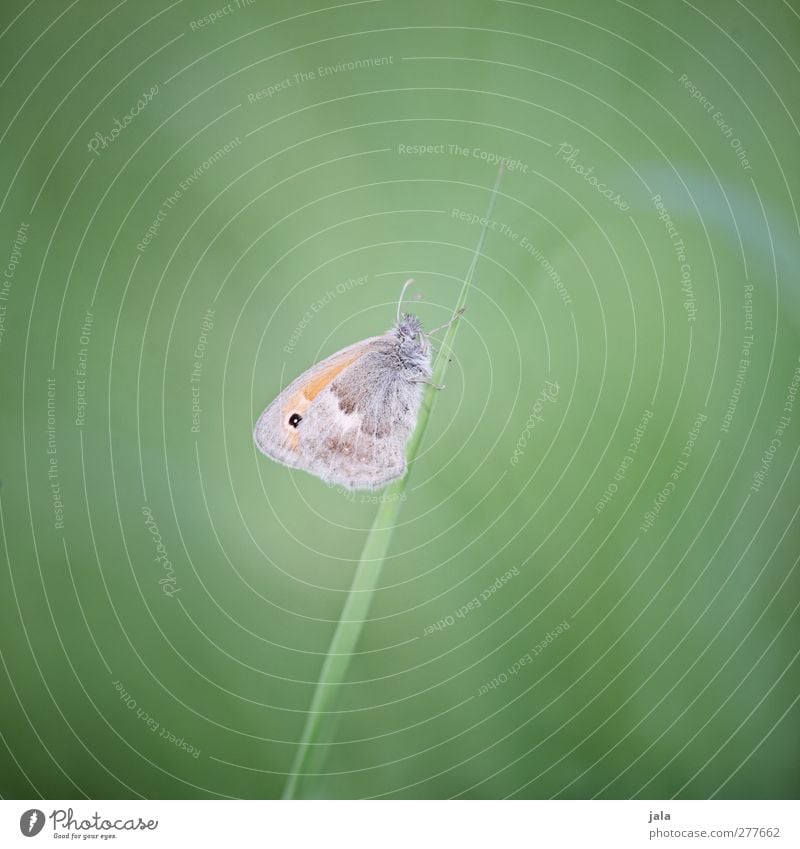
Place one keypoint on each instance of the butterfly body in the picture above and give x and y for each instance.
(348, 418)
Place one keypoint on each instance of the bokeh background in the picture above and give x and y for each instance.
(198, 201)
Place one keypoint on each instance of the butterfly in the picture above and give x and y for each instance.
(348, 418)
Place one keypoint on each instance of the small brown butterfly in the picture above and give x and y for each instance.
(348, 418)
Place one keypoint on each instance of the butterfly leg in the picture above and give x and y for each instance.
(434, 385)
(456, 315)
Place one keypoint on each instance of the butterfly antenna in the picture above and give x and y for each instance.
(402, 292)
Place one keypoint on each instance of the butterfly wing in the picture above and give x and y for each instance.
(344, 420)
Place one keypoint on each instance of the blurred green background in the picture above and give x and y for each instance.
(199, 201)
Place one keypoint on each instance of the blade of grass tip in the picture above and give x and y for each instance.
(443, 357)
(317, 732)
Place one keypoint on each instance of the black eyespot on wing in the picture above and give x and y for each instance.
(295, 419)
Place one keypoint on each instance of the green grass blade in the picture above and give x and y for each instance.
(318, 730)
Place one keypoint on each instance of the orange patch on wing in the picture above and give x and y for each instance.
(301, 400)
(321, 381)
